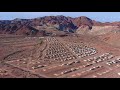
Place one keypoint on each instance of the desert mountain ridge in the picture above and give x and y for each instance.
(52, 25)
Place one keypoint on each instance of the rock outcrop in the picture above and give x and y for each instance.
(54, 24)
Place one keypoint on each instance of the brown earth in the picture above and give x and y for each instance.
(41, 26)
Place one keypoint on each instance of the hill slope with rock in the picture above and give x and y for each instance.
(50, 25)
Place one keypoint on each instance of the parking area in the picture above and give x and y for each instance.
(59, 57)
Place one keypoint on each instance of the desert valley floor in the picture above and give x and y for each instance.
(73, 56)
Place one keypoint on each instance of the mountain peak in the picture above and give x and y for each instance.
(50, 23)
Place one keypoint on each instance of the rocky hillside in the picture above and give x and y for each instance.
(50, 25)
(79, 21)
(37, 26)
(97, 30)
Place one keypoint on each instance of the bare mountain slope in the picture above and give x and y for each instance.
(56, 24)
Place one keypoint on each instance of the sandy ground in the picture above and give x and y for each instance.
(58, 57)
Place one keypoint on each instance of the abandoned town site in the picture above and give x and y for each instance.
(71, 56)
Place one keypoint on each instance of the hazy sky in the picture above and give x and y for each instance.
(99, 16)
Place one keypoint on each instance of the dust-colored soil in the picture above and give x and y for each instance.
(77, 56)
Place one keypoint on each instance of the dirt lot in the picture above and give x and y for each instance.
(58, 57)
